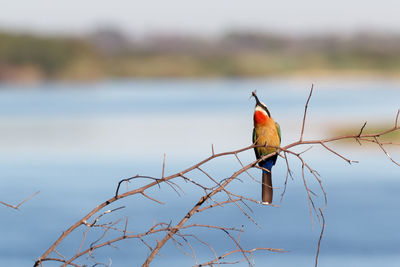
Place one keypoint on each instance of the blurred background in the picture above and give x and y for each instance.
(94, 40)
(95, 91)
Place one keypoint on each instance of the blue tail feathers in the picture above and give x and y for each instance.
(268, 164)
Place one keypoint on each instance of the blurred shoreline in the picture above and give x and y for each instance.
(109, 54)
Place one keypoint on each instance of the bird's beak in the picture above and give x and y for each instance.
(255, 96)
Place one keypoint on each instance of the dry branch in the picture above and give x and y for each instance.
(19, 204)
(219, 186)
(320, 237)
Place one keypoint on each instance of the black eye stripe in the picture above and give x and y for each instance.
(266, 110)
(269, 114)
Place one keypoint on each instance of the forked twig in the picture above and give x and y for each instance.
(19, 204)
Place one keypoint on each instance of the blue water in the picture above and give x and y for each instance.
(74, 142)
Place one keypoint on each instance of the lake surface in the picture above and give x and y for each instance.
(74, 142)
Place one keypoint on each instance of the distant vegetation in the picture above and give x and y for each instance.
(110, 54)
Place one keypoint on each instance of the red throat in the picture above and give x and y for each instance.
(260, 117)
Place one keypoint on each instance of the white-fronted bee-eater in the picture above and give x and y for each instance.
(266, 133)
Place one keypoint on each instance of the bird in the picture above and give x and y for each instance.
(266, 132)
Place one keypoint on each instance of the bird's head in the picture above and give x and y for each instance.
(261, 112)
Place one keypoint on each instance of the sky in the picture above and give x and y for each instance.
(200, 17)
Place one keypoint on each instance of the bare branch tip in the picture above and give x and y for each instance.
(305, 113)
(163, 167)
(396, 125)
(362, 129)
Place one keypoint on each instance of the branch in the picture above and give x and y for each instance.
(191, 212)
(320, 237)
(305, 113)
(19, 204)
(140, 190)
(207, 201)
(210, 263)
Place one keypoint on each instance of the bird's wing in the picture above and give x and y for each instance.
(254, 140)
(278, 128)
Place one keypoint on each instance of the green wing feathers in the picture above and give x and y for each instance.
(254, 140)
(278, 128)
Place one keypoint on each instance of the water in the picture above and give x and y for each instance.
(74, 142)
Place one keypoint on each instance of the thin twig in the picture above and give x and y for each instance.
(305, 113)
(320, 237)
(19, 204)
(384, 151)
(163, 167)
(362, 128)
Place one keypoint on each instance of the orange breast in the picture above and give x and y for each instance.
(267, 134)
